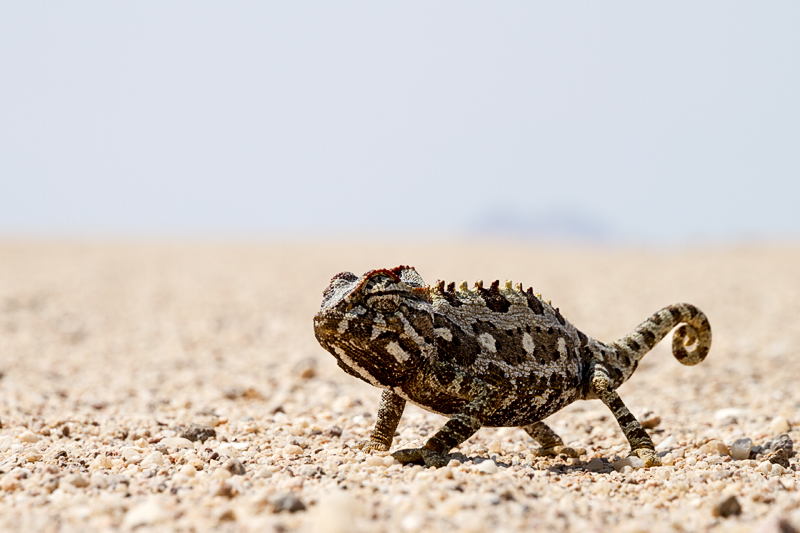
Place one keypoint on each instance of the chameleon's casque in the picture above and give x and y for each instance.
(496, 356)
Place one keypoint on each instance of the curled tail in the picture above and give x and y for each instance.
(690, 342)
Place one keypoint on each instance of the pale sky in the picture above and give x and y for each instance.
(646, 122)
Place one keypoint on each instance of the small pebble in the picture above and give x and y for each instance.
(374, 460)
(728, 507)
(287, 502)
(764, 467)
(28, 436)
(188, 470)
(9, 483)
(779, 458)
(782, 442)
(221, 473)
(198, 432)
(264, 472)
(730, 413)
(292, 449)
(99, 480)
(779, 425)
(235, 467)
(776, 470)
(101, 461)
(740, 449)
(631, 461)
(223, 489)
(32, 456)
(153, 459)
(650, 421)
(76, 480)
(666, 444)
(595, 465)
(715, 447)
(132, 456)
(487, 467)
(176, 442)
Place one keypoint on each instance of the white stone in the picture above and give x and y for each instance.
(177, 442)
(764, 467)
(730, 412)
(29, 437)
(715, 447)
(99, 480)
(779, 425)
(487, 467)
(101, 461)
(76, 480)
(666, 444)
(155, 458)
(264, 472)
(292, 449)
(740, 449)
(374, 460)
(776, 470)
(144, 514)
(131, 455)
(221, 473)
(631, 461)
(227, 449)
(188, 470)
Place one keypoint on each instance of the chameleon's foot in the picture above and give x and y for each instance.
(648, 456)
(371, 446)
(420, 455)
(559, 450)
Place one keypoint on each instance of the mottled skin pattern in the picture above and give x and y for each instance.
(496, 356)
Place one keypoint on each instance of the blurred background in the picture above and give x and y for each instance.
(637, 123)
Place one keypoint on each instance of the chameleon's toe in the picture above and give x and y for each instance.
(371, 446)
(647, 455)
(424, 456)
(559, 450)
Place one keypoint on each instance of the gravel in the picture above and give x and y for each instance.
(180, 387)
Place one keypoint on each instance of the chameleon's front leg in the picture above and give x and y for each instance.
(483, 400)
(389, 413)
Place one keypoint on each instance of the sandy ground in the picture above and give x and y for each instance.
(110, 352)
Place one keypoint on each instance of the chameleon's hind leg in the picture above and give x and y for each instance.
(550, 442)
(640, 441)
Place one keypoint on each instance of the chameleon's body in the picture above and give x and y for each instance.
(496, 356)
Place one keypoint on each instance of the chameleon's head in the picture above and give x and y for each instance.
(378, 326)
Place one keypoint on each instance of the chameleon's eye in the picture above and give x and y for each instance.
(383, 303)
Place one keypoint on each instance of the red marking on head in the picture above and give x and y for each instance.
(398, 269)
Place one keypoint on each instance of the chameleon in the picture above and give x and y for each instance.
(496, 356)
